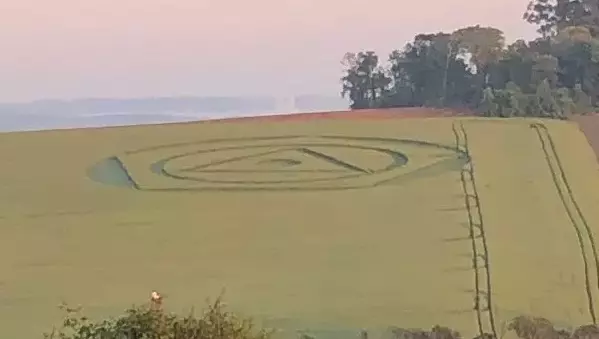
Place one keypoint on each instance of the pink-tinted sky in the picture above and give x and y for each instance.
(124, 48)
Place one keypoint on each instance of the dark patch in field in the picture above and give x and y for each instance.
(112, 171)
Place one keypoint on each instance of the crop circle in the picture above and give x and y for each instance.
(274, 163)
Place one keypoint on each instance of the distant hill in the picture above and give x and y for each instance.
(51, 114)
(163, 105)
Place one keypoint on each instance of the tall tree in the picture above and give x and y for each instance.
(487, 105)
(542, 14)
(547, 101)
(428, 72)
(484, 45)
(365, 81)
(553, 15)
(514, 65)
(554, 75)
(545, 68)
(565, 102)
(578, 54)
(582, 101)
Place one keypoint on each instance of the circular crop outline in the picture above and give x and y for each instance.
(400, 159)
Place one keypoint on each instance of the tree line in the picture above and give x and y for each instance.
(554, 75)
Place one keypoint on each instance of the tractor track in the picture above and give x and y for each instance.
(573, 210)
(482, 281)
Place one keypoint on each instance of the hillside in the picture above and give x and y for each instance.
(324, 225)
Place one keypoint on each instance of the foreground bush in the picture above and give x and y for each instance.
(151, 321)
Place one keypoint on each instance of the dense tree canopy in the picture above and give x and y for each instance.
(554, 75)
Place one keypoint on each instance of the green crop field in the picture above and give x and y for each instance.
(324, 226)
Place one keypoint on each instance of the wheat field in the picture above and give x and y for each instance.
(324, 227)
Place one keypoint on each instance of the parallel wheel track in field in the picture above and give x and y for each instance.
(482, 273)
(577, 219)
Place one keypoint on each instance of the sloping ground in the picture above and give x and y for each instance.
(589, 125)
(326, 226)
(389, 113)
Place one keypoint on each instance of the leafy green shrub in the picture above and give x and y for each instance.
(151, 321)
(437, 332)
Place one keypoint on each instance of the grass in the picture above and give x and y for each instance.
(387, 244)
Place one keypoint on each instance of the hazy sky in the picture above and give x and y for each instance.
(124, 48)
